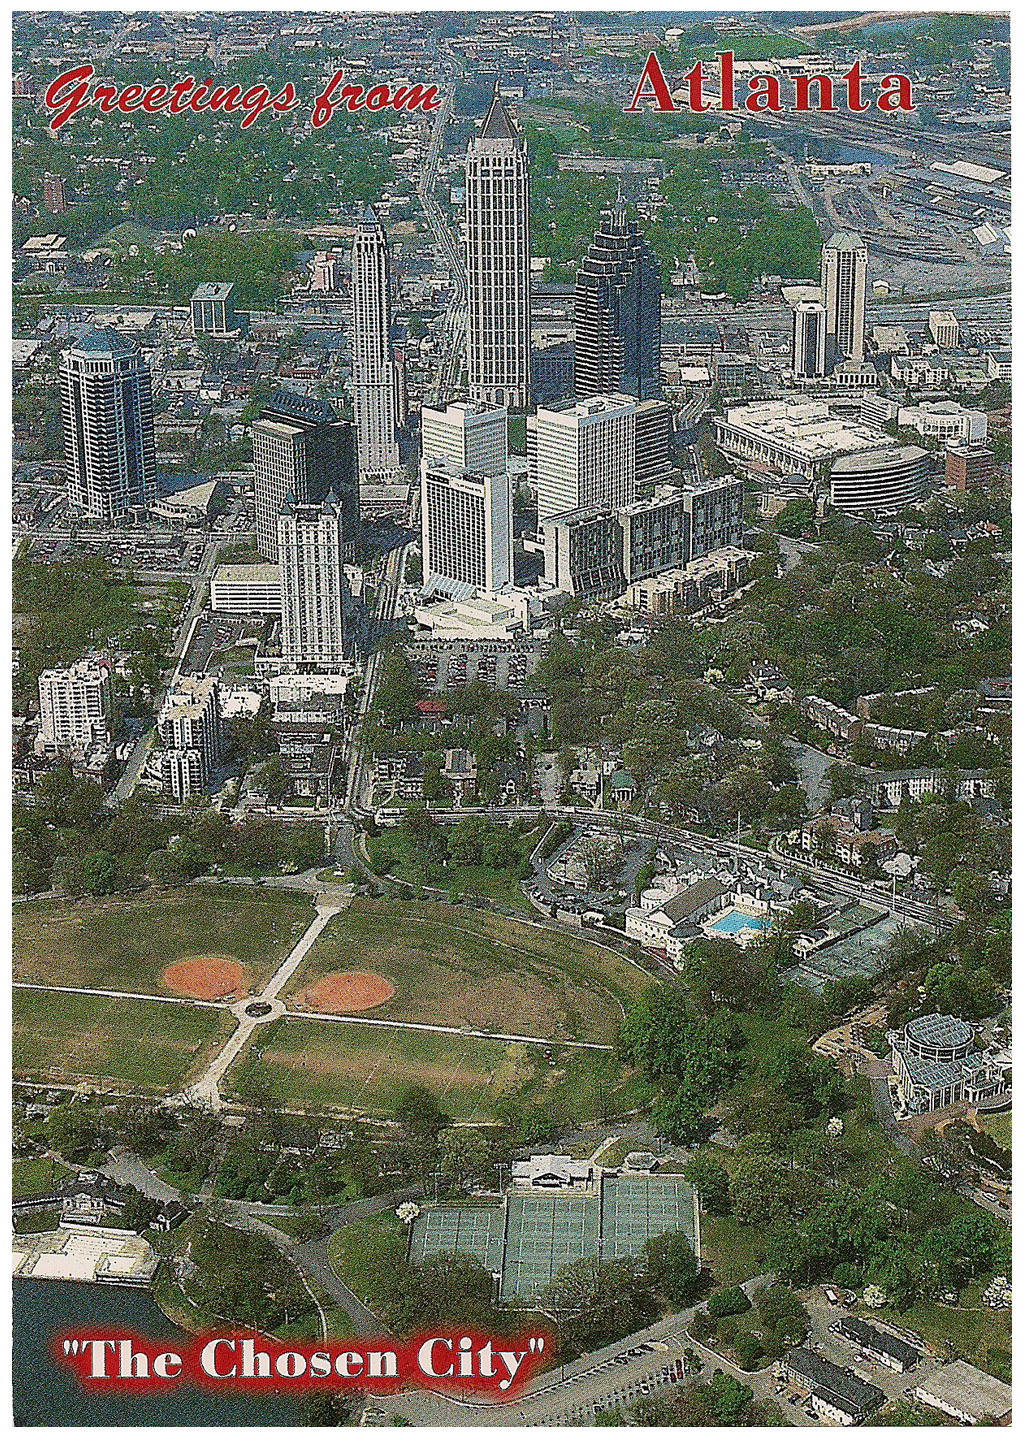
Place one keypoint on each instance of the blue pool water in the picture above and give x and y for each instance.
(732, 922)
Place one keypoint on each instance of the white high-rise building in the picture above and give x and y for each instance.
(498, 261)
(313, 585)
(466, 527)
(107, 414)
(472, 435)
(373, 373)
(189, 726)
(585, 455)
(809, 340)
(944, 329)
(844, 275)
(76, 705)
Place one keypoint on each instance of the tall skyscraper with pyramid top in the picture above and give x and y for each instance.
(498, 261)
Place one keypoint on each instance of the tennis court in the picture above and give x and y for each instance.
(529, 1237)
(636, 1206)
(477, 1230)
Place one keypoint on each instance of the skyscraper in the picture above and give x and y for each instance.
(302, 450)
(844, 274)
(373, 373)
(585, 455)
(498, 261)
(466, 523)
(310, 542)
(107, 413)
(654, 444)
(470, 434)
(808, 353)
(618, 298)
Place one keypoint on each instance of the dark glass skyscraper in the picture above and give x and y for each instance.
(107, 410)
(618, 313)
(302, 450)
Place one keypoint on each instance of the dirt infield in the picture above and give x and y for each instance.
(346, 992)
(211, 976)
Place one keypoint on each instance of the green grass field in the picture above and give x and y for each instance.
(461, 967)
(127, 943)
(973, 1332)
(390, 854)
(364, 1068)
(37, 1176)
(999, 1126)
(361, 1250)
(153, 1047)
(733, 1252)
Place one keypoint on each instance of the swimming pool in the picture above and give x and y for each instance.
(732, 922)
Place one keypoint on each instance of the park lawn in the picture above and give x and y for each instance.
(360, 1251)
(467, 968)
(389, 853)
(365, 1068)
(135, 1042)
(37, 1176)
(972, 1331)
(126, 944)
(999, 1127)
(732, 1252)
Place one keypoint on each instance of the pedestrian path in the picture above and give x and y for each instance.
(206, 1090)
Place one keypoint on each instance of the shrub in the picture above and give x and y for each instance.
(748, 1350)
(728, 1301)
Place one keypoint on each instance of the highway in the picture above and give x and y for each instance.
(453, 328)
(384, 618)
(140, 752)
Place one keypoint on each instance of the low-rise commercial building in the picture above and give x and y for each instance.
(552, 1171)
(968, 466)
(246, 589)
(655, 928)
(966, 1394)
(789, 437)
(878, 1344)
(837, 1394)
(701, 583)
(945, 420)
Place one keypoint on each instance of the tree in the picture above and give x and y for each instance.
(672, 1266)
(419, 1112)
(784, 1319)
(457, 1291)
(330, 1409)
(712, 1182)
(761, 1189)
(274, 779)
(466, 1155)
(90, 873)
(594, 1302)
(164, 869)
(724, 1302)
(719, 972)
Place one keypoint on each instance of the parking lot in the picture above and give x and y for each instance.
(223, 645)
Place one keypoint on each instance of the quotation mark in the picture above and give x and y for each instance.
(536, 1345)
(74, 1346)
